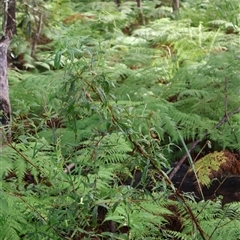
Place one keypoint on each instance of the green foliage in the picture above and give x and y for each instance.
(223, 220)
(209, 91)
(107, 99)
(142, 217)
(12, 221)
(213, 13)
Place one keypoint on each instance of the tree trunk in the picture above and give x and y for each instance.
(139, 3)
(9, 17)
(141, 16)
(175, 5)
(118, 2)
(9, 28)
(5, 107)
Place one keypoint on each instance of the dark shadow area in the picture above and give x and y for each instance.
(228, 188)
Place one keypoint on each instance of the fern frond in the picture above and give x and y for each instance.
(12, 221)
(113, 149)
(176, 235)
(207, 165)
(216, 164)
(215, 220)
(140, 216)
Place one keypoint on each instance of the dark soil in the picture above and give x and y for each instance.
(184, 181)
(228, 188)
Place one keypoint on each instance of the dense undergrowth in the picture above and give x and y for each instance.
(104, 108)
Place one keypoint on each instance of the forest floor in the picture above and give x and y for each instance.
(227, 187)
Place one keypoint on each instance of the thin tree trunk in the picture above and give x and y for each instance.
(37, 34)
(118, 2)
(139, 3)
(175, 5)
(141, 16)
